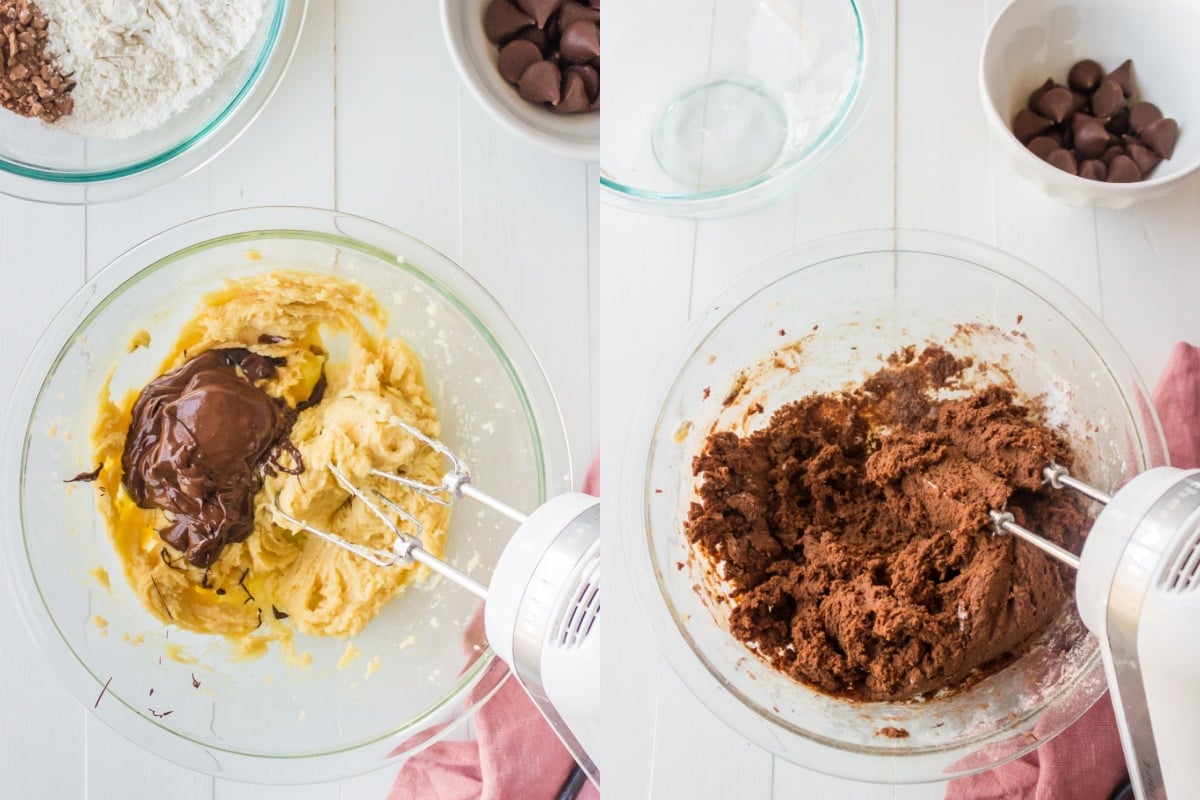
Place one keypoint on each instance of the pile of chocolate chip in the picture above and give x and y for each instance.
(30, 83)
(1093, 128)
(549, 50)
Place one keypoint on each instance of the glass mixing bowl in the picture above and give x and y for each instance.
(267, 720)
(844, 303)
(41, 162)
(716, 107)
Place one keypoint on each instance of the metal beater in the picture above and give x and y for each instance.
(542, 606)
(1138, 591)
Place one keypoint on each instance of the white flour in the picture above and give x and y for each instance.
(137, 62)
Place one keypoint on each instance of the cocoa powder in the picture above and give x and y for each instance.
(30, 83)
(854, 529)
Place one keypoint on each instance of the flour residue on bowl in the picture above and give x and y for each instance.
(136, 64)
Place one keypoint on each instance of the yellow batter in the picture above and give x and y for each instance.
(320, 322)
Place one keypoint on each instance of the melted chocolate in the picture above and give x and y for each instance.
(197, 442)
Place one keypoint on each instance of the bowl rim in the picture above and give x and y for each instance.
(780, 180)
(454, 15)
(1094, 190)
(160, 251)
(675, 644)
(78, 187)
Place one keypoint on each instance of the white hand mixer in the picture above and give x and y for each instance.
(1138, 591)
(542, 606)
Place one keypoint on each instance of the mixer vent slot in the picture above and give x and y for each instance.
(1184, 573)
(583, 609)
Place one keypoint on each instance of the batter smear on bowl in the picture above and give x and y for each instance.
(276, 378)
(854, 531)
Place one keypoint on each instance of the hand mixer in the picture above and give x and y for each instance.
(542, 607)
(1138, 591)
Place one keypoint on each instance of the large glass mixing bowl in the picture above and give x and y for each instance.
(714, 107)
(816, 319)
(268, 720)
(42, 162)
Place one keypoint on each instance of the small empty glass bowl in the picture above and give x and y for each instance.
(42, 162)
(715, 107)
(268, 720)
(837, 307)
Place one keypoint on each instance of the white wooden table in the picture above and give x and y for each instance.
(921, 158)
(370, 119)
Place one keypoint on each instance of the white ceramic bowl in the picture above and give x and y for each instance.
(1035, 39)
(571, 135)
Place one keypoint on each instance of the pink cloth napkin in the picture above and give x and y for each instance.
(516, 756)
(1086, 761)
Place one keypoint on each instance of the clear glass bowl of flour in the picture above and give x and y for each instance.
(77, 161)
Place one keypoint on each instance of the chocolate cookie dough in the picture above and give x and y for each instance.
(853, 529)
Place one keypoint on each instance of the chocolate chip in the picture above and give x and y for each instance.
(1123, 76)
(1119, 123)
(580, 41)
(553, 31)
(1042, 146)
(1093, 169)
(502, 20)
(1145, 158)
(1160, 135)
(572, 11)
(1122, 169)
(1056, 104)
(540, 40)
(1037, 93)
(1029, 124)
(1085, 75)
(1093, 129)
(537, 36)
(1065, 160)
(1108, 99)
(574, 95)
(1088, 135)
(515, 57)
(1142, 114)
(591, 79)
(541, 83)
(540, 10)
